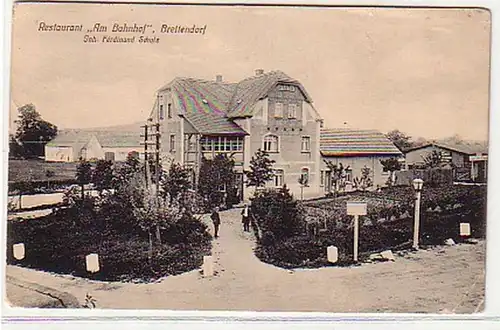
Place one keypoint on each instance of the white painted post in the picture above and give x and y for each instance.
(19, 251)
(92, 261)
(208, 266)
(356, 209)
(416, 226)
(356, 236)
(332, 254)
(465, 229)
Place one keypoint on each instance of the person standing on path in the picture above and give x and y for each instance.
(245, 215)
(216, 221)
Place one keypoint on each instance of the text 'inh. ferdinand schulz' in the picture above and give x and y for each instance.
(123, 32)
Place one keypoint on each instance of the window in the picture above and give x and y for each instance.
(322, 178)
(348, 175)
(292, 111)
(169, 110)
(271, 143)
(306, 144)
(172, 142)
(304, 174)
(162, 115)
(279, 178)
(278, 110)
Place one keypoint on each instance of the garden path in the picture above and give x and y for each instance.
(425, 281)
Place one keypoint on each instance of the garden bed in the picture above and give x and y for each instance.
(60, 242)
(388, 225)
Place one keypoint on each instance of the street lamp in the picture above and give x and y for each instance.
(417, 185)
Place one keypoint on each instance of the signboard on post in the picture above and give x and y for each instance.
(92, 261)
(19, 251)
(465, 229)
(356, 208)
(478, 158)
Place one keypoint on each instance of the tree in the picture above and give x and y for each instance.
(216, 178)
(261, 169)
(102, 175)
(83, 175)
(391, 165)
(175, 182)
(365, 181)
(338, 175)
(433, 159)
(32, 132)
(400, 139)
(49, 174)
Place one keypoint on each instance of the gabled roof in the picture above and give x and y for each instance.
(343, 142)
(464, 147)
(210, 106)
(252, 89)
(114, 136)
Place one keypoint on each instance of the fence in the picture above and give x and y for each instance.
(432, 177)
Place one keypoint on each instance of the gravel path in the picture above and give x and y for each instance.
(444, 279)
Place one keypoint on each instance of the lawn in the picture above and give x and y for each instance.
(35, 170)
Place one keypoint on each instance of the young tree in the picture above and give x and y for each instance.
(102, 175)
(83, 175)
(365, 181)
(261, 169)
(338, 176)
(33, 132)
(49, 174)
(400, 139)
(391, 165)
(175, 182)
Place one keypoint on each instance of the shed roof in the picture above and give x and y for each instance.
(342, 142)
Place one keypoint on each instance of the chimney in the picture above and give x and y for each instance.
(218, 78)
(259, 72)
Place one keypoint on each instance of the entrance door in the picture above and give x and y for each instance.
(328, 181)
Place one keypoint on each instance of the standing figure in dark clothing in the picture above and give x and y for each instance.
(216, 220)
(245, 218)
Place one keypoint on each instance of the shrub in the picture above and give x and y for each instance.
(277, 212)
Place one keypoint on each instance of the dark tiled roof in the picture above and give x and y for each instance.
(219, 102)
(352, 142)
(250, 90)
(468, 148)
(115, 136)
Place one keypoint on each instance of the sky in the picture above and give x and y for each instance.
(422, 71)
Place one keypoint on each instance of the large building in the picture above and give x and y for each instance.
(269, 111)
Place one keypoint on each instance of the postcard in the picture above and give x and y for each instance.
(248, 158)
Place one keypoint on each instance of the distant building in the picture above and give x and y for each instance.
(355, 150)
(112, 143)
(468, 160)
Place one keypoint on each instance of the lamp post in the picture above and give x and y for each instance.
(417, 185)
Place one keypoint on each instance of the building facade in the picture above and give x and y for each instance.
(269, 111)
(468, 161)
(356, 150)
(111, 143)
